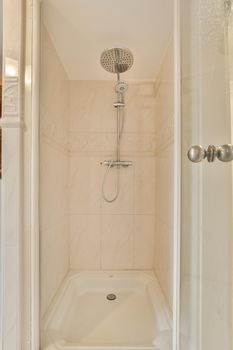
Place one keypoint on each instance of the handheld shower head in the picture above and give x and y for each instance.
(116, 60)
(121, 87)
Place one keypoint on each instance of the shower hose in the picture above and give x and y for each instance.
(111, 165)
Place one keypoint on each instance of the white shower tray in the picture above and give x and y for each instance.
(82, 318)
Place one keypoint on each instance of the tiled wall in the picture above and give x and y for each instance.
(54, 99)
(79, 230)
(119, 235)
(164, 163)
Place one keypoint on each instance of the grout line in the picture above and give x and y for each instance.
(110, 214)
(109, 154)
(112, 132)
(101, 224)
(134, 186)
(56, 146)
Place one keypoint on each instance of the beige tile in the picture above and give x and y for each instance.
(164, 184)
(91, 106)
(117, 242)
(54, 94)
(164, 257)
(138, 143)
(85, 242)
(54, 234)
(164, 222)
(164, 168)
(124, 204)
(140, 108)
(144, 185)
(53, 186)
(54, 261)
(164, 106)
(90, 142)
(85, 185)
(102, 143)
(144, 241)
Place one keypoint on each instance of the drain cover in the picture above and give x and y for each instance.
(111, 297)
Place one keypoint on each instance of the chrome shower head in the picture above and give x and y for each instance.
(121, 87)
(116, 60)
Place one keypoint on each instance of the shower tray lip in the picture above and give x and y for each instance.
(144, 277)
(60, 346)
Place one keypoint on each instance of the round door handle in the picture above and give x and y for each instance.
(225, 153)
(196, 154)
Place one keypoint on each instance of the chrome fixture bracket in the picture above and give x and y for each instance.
(229, 6)
(118, 104)
(115, 163)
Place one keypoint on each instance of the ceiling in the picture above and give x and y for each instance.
(82, 29)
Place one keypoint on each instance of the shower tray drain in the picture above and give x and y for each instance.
(111, 297)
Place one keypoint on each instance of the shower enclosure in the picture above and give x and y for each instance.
(151, 269)
(102, 278)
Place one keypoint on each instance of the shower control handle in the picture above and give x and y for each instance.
(114, 163)
(223, 153)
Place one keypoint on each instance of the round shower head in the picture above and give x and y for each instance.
(116, 60)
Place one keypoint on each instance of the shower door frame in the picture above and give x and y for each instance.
(34, 306)
(33, 322)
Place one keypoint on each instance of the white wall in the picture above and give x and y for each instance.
(54, 227)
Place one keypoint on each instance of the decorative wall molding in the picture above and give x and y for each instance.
(11, 122)
(11, 97)
(11, 184)
(98, 143)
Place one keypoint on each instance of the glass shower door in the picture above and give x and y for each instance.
(206, 219)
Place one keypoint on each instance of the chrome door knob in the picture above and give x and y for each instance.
(225, 153)
(196, 154)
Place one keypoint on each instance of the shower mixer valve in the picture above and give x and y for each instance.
(115, 163)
